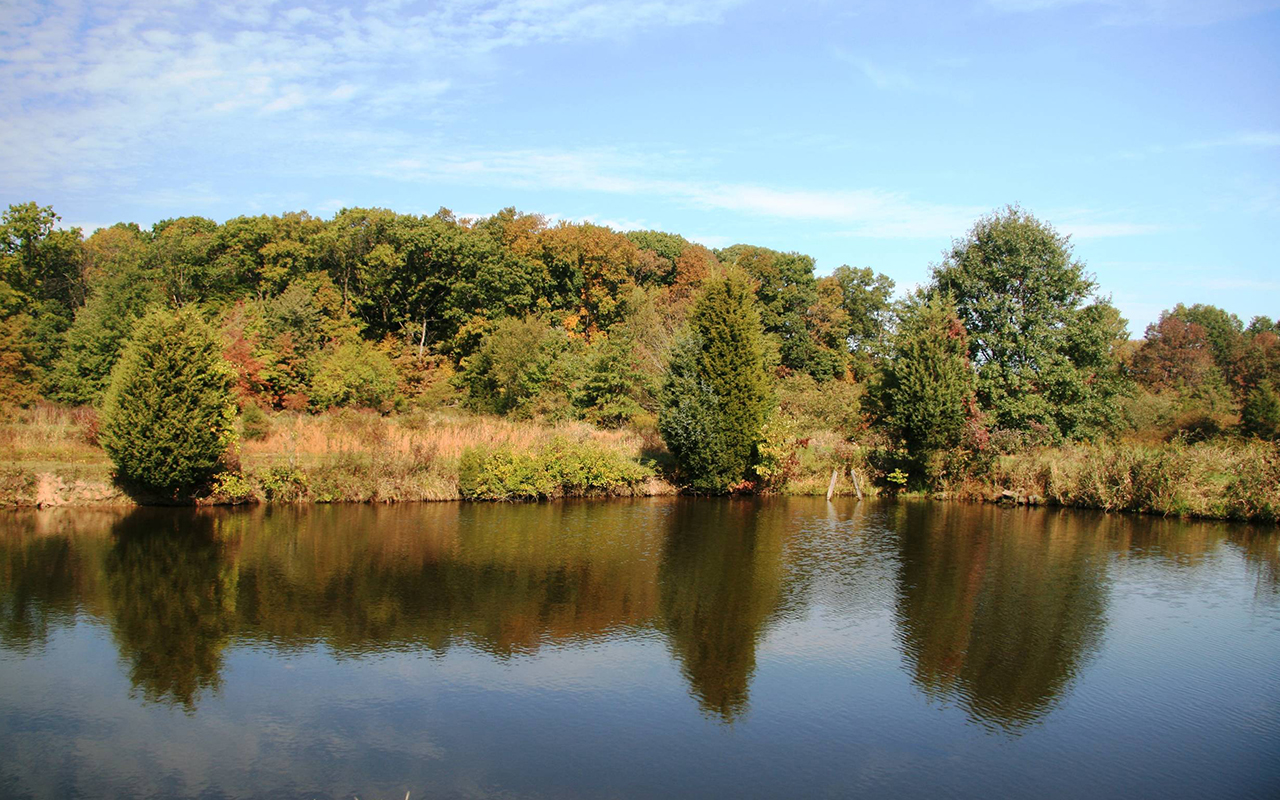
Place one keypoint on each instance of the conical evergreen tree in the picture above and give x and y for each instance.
(169, 414)
(927, 388)
(717, 391)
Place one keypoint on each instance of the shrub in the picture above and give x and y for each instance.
(169, 413)
(354, 374)
(561, 469)
(255, 425)
(779, 452)
(283, 483)
(233, 488)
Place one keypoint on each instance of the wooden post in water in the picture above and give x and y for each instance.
(831, 487)
(858, 487)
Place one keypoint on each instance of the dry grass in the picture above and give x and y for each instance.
(444, 435)
(1222, 479)
(347, 455)
(46, 435)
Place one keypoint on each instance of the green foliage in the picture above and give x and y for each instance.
(786, 290)
(233, 488)
(1223, 332)
(255, 425)
(866, 299)
(169, 415)
(1260, 414)
(926, 389)
(1177, 355)
(831, 405)
(614, 384)
(100, 330)
(19, 374)
(354, 374)
(562, 469)
(41, 284)
(283, 483)
(519, 362)
(1043, 357)
(779, 447)
(716, 395)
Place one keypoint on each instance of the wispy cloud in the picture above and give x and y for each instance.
(925, 79)
(861, 212)
(1146, 12)
(104, 85)
(1108, 230)
(884, 78)
(1244, 140)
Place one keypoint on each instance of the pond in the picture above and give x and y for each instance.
(662, 647)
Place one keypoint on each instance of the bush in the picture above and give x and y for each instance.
(562, 469)
(233, 488)
(283, 483)
(779, 452)
(354, 374)
(255, 425)
(169, 413)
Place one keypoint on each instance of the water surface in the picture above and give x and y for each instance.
(658, 647)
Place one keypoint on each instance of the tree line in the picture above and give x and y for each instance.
(1009, 344)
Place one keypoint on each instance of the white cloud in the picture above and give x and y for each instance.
(886, 79)
(95, 85)
(928, 78)
(859, 212)
(864, 212)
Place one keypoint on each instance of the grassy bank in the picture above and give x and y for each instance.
(51, 458)
(1215, 480)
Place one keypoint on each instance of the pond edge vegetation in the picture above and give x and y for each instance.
(380, 357)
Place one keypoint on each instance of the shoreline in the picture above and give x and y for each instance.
(48, 490)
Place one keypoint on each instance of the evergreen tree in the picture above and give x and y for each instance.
(717, 394)
(1260, 415)
(613, 382)
(927, 387)
(169, 414)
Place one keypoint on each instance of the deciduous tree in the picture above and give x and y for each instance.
(1041, 345)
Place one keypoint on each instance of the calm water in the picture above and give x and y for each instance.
(655, 648)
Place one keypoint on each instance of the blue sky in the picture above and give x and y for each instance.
(867, 133)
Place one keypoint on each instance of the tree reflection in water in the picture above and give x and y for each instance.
(721, 579)
(995, 610)
(998, 611)
(171, 587)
